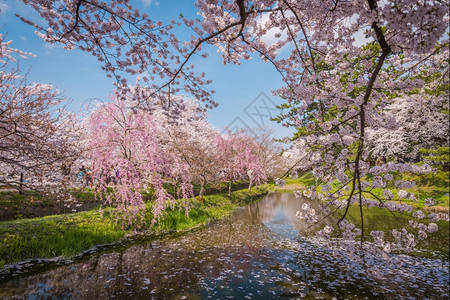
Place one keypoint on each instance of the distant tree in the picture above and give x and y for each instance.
(268, 151)
(192, 138)
(237, 155)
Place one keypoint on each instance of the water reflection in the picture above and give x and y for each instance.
(259, 253)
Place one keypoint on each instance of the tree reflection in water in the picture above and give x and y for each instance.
(262, 251)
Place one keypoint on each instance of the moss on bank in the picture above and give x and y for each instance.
(69, 234)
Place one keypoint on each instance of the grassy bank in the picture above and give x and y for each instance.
(69, 234)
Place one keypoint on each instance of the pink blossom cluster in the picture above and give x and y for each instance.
(123, 144)
(436, 217)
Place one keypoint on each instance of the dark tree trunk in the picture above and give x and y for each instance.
(21, 183)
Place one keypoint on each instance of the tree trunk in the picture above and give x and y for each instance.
(250, 185)
(202, 189)
(229, 187)
(21, 183)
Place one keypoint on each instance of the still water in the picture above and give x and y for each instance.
(261, 252)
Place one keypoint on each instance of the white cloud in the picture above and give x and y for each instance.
(270, 37)
(148, 3)
(52, 48)
(48, 46)
(3, 8)
(360, 38)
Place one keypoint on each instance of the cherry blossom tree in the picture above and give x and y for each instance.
(38, 137)
(183, 130)
(336, 90)
(192, 138)
(123, 144)
(420, 125)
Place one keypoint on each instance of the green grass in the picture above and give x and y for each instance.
(306, 179)
(85, 194)
(37, 204)
(8, 199)
(211, 207)
(210, 189)
(59, 235)
(178, 220)
(69, 234)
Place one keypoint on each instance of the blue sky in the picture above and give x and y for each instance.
(243, 92)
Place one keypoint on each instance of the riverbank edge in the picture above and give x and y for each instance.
(64, 238)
